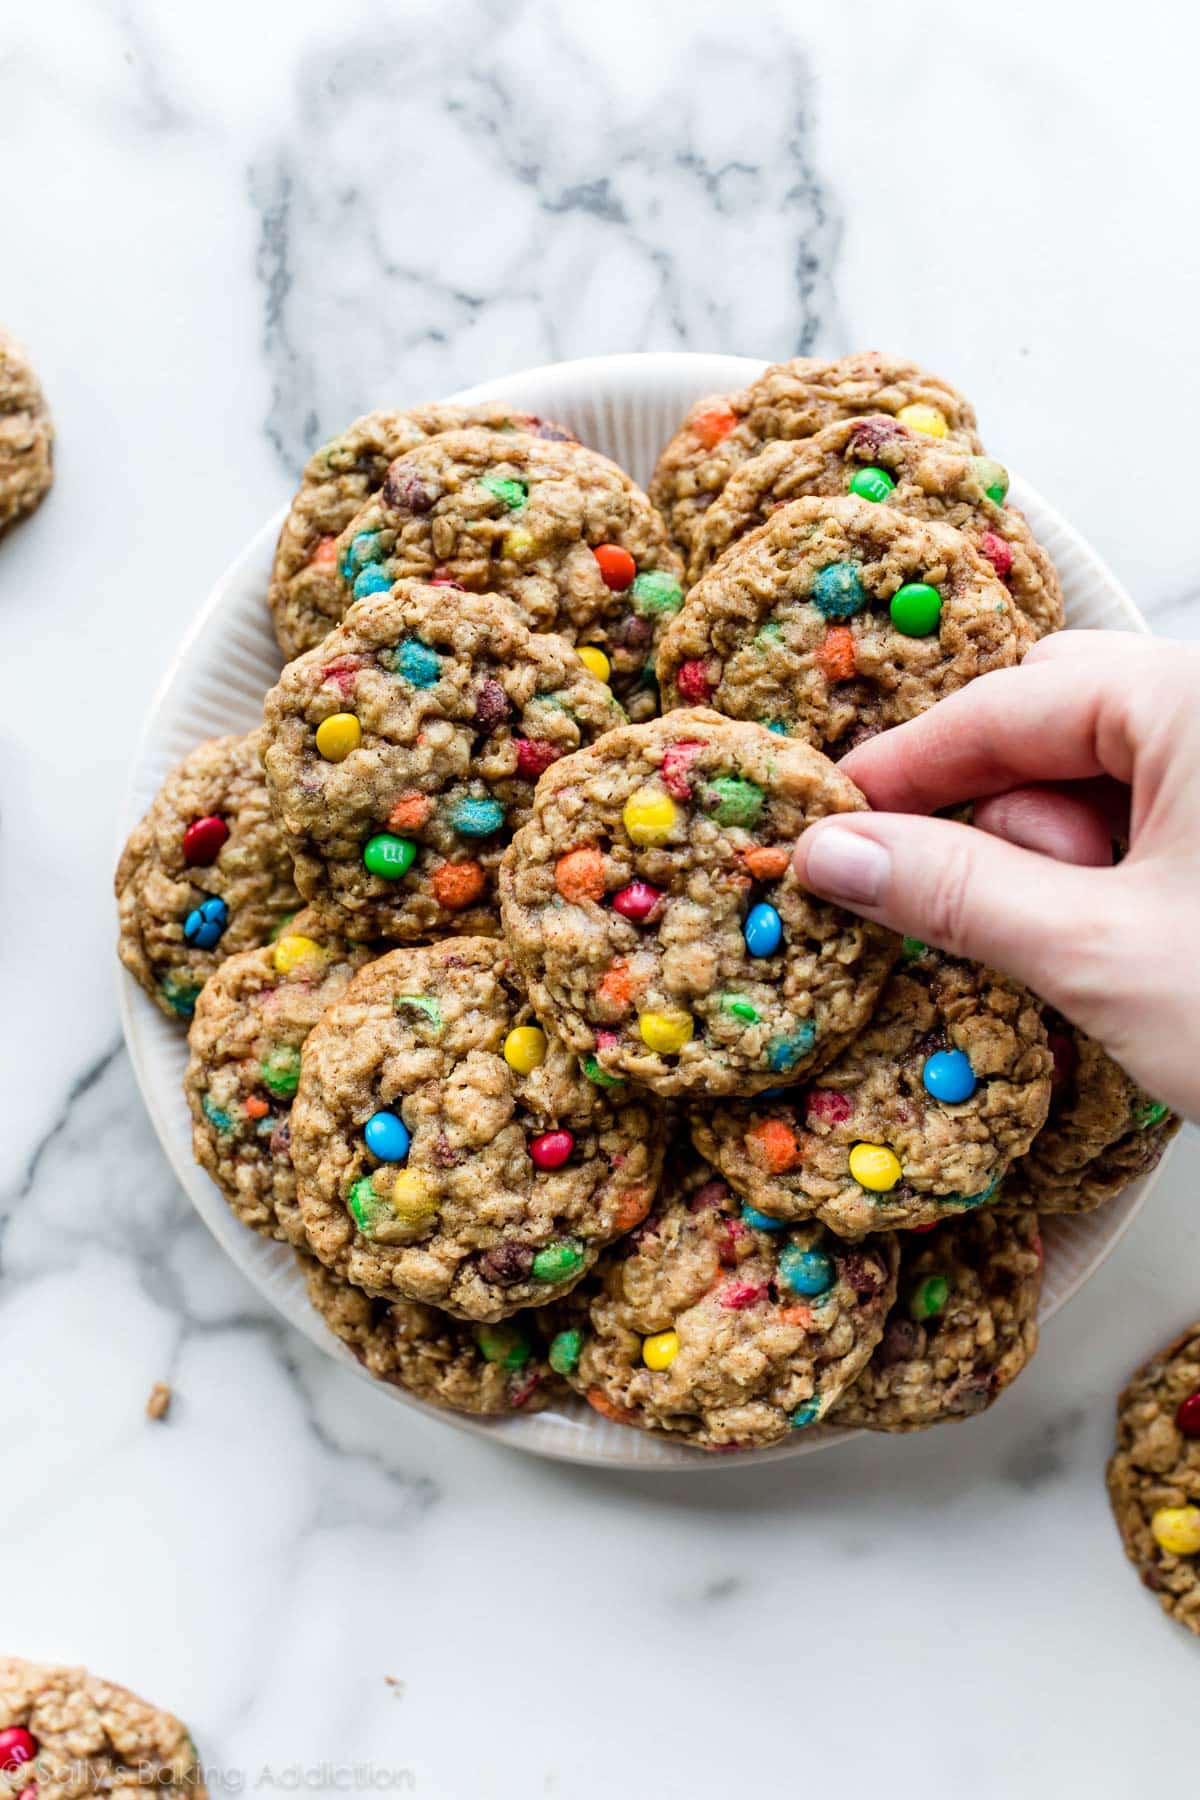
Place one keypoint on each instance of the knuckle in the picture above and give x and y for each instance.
(1090, 967)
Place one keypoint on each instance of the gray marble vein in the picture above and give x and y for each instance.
(552, 245)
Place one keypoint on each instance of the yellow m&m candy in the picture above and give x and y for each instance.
(594, 661)
(295, 951)
(875, 1167)
(408, 1196)
(919, 417)
(649, 817)
(666, 1032)
(338, 735)
(525, 1049)
(660, 1351)
(1177, 1529)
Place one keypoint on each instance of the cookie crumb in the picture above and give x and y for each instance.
(159, 1403)
(398, 1687)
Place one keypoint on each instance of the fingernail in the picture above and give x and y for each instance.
(844, 866)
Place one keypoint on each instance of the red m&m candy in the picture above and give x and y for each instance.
(203, 840)
(736, 1296)
(551, 1150)
(17, 1746)
(617, 567)
(1187, 1416)
(997, 551)
(828, 1107)
(693, 682)
(677, 760)
(637, 901)
(534, 756)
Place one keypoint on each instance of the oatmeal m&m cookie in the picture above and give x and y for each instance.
(559, 529)
(838, 618)
(1103, 1130)
(250, 1023)
(651, 905)
(722, 1327)
(205, 874)
(307, 598)
(963, 1326)
(65, 1734)
(451, 1151)
(26, 436)
(1154, 1476)
(490, 1370)
(882, 461)
(401, 755)
(918, 1118)
(794, 400)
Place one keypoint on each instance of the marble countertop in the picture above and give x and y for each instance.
(227, 230)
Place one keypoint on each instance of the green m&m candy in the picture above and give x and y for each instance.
(929, 1297)
(871, 484)
(595, 1071)
(388, 856)
(564, 1352)
(280, 1071)
(735, 801)
(992, 477)
(503, 1344)
(656, 593)
(510, 492)
(364, 1204)
(557, 1262)
(916, 609)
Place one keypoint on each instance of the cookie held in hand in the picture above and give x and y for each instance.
(651, 905)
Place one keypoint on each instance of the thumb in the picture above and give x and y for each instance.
(1049, 924)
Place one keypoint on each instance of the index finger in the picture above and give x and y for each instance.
(1052, 719)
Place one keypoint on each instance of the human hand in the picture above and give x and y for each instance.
(1032, 888)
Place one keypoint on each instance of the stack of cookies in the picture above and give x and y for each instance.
(507, 1011)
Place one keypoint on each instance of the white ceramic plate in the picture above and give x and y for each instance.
(627, 406)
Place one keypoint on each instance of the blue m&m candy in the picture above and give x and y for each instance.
(807, 1414)
(837, 590)
(762, 1221)
(370, 580)
(763, 930)
(949, 1077)
(476, 818)
(387, 1137)
(364, 548)
(783, 1053)
(417, 663)
(807, 1271)
(205, 923)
